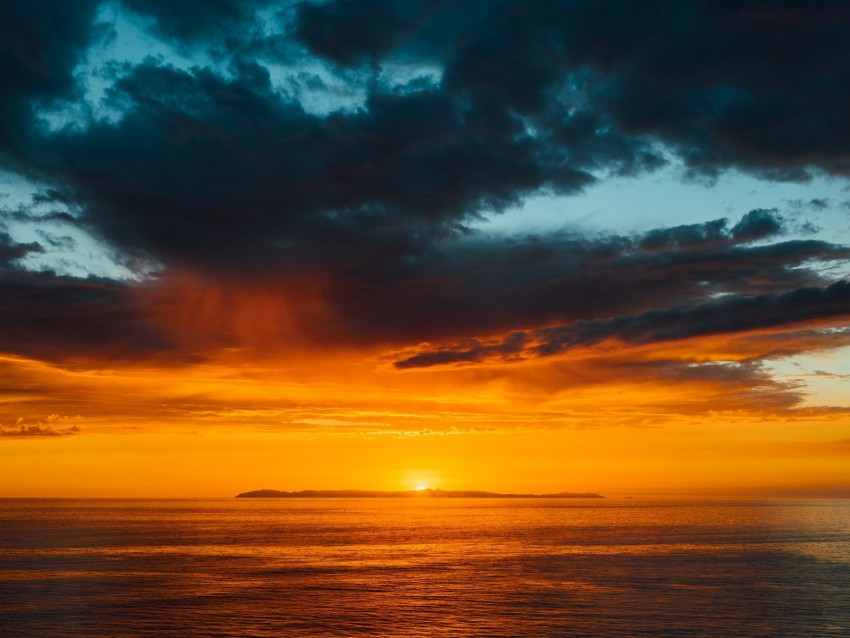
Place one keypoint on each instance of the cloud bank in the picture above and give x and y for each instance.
(310, 173)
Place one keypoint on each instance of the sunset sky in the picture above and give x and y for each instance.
(587, 245)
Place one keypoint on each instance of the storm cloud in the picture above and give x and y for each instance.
(728, 316)
(218, 171)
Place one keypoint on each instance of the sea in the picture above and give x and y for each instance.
(424, 567)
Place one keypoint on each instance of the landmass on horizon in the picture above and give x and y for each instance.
(426, 493)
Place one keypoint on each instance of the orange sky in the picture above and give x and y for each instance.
(611, 418)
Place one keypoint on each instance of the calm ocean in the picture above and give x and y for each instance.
(424, 567)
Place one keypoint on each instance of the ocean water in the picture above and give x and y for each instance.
(424, 567)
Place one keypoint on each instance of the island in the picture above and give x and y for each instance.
(427, 493)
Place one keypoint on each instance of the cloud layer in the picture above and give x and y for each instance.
(266, 221)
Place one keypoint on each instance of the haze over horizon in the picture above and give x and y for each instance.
(590, 246)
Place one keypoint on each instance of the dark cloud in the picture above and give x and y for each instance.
(191, 21)
(40, 44)
(484, 288)
(217, 175)
(11, 251)
(475, 287)
(757, 224)
(351, 32)
(222, 173)
(724, 84)
(726, 316)
(226, 176)
(57, 318)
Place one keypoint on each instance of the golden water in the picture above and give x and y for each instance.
(424, 567)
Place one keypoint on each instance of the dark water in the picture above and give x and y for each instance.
(464, 567)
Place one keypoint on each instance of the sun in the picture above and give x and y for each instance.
(420, 480)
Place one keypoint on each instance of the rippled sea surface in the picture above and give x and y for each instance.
(424, 567)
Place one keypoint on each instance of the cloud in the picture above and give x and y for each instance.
(353, 33)
(11, 251)
(723, 85)
(462, 287)
(726, 316)
(498, 286)
(215, 169)
(41, 46)
(267, 221)
(757, 224)
(227, 176)
(65, 318)
(38, 430)
(194, 21)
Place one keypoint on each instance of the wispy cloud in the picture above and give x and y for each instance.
(38, 430)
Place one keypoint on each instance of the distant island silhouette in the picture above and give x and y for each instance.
(428, 493)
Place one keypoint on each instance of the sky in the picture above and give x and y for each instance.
(577, 246)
